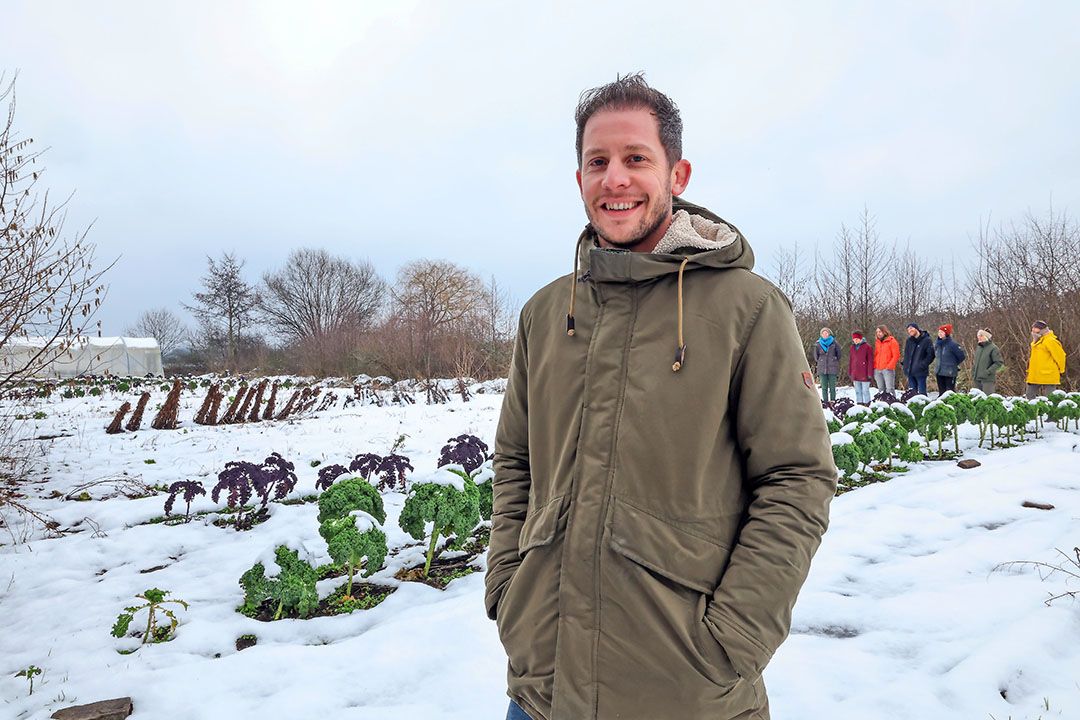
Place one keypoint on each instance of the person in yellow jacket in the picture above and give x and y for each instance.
(1047, 362)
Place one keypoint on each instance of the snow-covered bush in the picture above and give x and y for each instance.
(448, 500)
(989, 412)
(351, 515)
(846, 453)
(284, 577)
(937, 420)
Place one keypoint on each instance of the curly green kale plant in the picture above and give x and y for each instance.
(484, 477)
(350, 494)
(938, 419)
(354, 539)
(154, 602)
(989, 413)
(896, 435)
(846, 454)
(450, 501)
(873, 443)
(286, 579)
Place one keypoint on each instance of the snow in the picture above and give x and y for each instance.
(907, 612)
(841, 438)
(445, 475)
(364, 521)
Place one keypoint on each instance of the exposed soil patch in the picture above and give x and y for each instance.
(364, 597)
(442, 572)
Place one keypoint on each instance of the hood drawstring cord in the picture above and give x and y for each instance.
(680, 351)
(573, 292)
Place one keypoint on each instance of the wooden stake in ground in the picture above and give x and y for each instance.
(116, 426)
(136, 417)
(166, 419)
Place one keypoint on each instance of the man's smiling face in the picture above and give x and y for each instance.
(625, 179)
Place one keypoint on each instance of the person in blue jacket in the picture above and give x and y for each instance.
(918, 354)
(949, 356)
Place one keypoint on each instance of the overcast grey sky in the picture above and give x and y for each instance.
(398, 130)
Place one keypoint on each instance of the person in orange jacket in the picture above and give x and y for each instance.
(886, 355)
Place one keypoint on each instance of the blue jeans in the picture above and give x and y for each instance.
(862, 391)
(918, 382)
(516, 713)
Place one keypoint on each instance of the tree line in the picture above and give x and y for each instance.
(327, 315)
(1016, 272)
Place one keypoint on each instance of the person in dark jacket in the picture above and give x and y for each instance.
(918, 354)
(827, 358)
(860, 367)
(988, 363)
(949, 356)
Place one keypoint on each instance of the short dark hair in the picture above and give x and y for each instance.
(631, 92)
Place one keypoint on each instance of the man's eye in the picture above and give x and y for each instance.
(596, 162)
(637, 158)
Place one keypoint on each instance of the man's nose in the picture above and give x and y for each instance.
(615, 177)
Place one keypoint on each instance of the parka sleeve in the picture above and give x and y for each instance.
(510, 487)
(791, 479)
(996, 360)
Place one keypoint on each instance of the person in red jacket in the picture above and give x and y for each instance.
(886, 355)
(860, 367)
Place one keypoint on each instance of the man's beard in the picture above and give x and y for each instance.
(649, 224)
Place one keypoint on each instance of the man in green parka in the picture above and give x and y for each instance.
(663, 471)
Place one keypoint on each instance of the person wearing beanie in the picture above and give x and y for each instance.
(886, 355)
(827, 358)
(949, 356)
(1046, 363)
(918, 354)
(988, 363)
(860, 367)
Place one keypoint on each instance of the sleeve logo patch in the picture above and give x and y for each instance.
(808, 380)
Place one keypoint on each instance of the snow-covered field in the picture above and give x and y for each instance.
(903, 615)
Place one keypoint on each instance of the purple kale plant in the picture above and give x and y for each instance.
(366, 465)
(189, 490)
(390, 470)
(328, 474)
(468, 451)
(274, 479)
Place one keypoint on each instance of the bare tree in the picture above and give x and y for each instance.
(317, 294)
(434, 302)
(913, 285)
(225, 308)
(50, 287)
(789, 275)
(162, 325)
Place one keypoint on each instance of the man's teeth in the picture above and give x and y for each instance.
(621, 206)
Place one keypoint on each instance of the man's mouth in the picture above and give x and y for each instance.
(621, 207)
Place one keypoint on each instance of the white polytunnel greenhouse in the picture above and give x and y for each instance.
(87, 356)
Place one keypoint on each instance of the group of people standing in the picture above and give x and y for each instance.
(878, 364)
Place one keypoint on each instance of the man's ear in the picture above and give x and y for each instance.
(578, 175)
(680, 177)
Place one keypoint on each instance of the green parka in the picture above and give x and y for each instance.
(988, 362)
(652, 528)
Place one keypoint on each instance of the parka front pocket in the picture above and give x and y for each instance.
(655, 588)
(528, 611)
